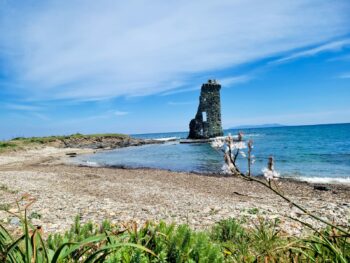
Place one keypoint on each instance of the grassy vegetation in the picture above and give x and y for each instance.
(227, 241)
(6, 189)
(47, 139)
(7, 145)
(22, 142)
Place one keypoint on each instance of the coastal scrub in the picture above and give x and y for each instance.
(111, 139)
(226, 241)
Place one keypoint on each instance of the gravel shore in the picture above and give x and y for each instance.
(63, 190)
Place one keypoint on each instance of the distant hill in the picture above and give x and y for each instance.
(270, 125)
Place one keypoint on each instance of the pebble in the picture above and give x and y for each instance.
(15, 221)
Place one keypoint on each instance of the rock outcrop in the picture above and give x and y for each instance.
(104, 142)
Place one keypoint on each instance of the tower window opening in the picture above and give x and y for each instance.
(204, 116)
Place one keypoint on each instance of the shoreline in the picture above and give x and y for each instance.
(307, 178)
(336, 181)
(95, 193)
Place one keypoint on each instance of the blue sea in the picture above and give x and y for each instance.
(317, 153)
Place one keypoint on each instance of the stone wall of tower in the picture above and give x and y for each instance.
(207, 122)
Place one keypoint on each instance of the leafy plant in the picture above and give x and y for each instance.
(227, 241)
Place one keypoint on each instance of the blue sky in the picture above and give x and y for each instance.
(137, 66)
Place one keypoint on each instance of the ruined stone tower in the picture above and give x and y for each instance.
(207, 123)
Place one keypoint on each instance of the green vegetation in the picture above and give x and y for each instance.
(48, 139)
(253, 211)
(34, 215)
(6, 146)
(6, 189)
(22, 142)
(4, 207)
(227, 241)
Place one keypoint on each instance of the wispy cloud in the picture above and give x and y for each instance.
(231, 81)
(40, 116)
(181, 90)
(120, 113)
(97, 49)
(331, 46)
(103, 116)
(225, 82)
(22, 107)
(344, 76)
(181, 103)
(340, 58)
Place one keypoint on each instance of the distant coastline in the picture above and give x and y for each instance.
(277, 125)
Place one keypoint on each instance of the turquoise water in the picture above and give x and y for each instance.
(314, 153)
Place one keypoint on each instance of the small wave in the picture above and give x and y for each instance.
(92, 164)
(326, 180)
(246, 135)
(166, 139)
(253, 135)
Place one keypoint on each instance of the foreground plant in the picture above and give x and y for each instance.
(30, 246)
(227, 241)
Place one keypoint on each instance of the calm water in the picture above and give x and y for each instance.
(314, 153)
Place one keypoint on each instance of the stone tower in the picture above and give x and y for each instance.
(207, 123)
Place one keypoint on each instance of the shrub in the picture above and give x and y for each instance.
(227, 241)
(7, 145)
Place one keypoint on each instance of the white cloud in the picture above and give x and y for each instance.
(181, 103)
(41, 116)
(231, 81)
(97, 49)
(225, 82)
(344, 76)
(121, 113)
(181, 90)
(332, 46)
(340, 58)
(22, 107)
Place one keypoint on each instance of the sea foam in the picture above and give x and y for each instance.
(326, 180)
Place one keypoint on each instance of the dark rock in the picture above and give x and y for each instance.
(207, 123)
(102, 142)
(322, 188)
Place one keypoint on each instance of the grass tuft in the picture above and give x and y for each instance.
(227, 241)
(24, 142)
(48, 139)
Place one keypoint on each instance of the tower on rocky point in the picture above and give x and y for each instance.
(207, 123)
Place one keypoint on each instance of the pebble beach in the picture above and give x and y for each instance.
(64, 190)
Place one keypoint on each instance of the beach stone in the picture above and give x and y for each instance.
(15, 221)
(322, 188)
(206, 210)
(36, 222)
(13, 210)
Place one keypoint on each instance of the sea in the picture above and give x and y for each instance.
(315, 153)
